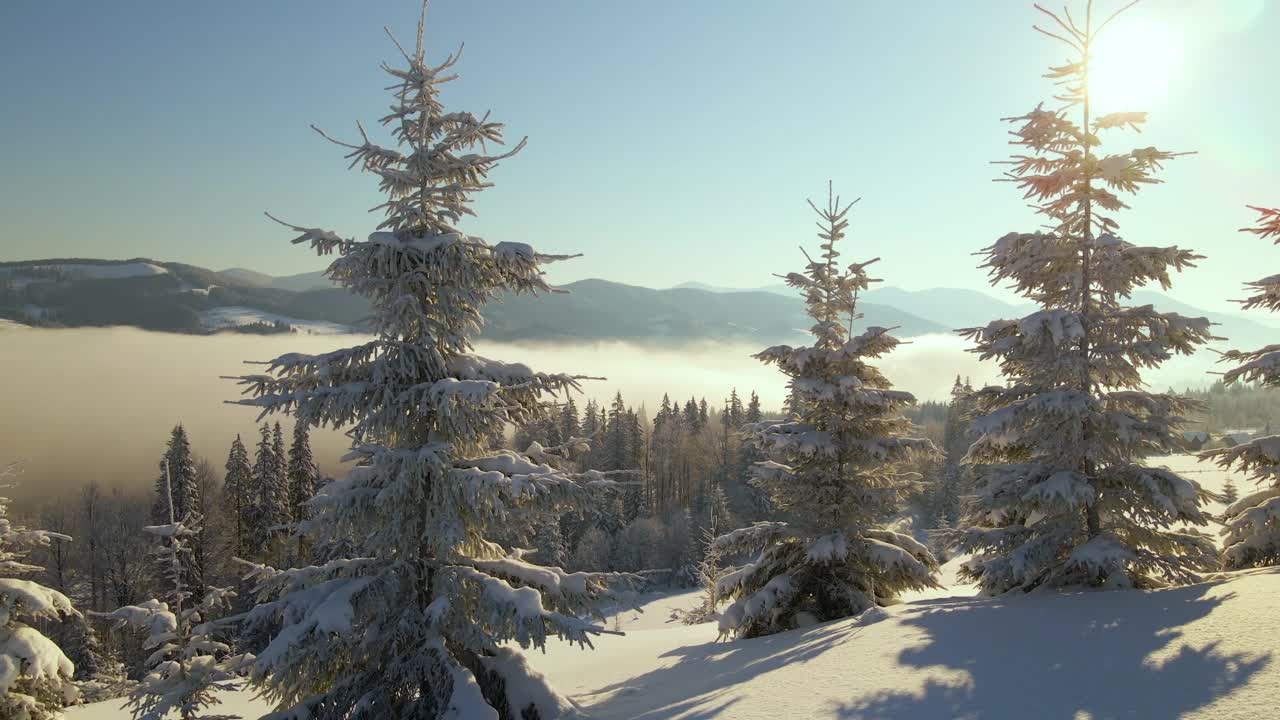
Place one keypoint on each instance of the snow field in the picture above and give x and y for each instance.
(230, 316)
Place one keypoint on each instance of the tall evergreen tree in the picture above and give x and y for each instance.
(1230, 493)
(549, 542)
(591, 422)
(618, 436)
(188, 665)
(268, 499)
(569, 425)
(753, 409)
(419, 619)
(280, 459)
(1251, 524)
(1065, 497)
(942, 499)
(237, 493)
(179, 468)
(35, 675)
(303, 478)
(834, 466)
(690, 415)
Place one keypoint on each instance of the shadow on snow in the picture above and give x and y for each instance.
(1057, 658)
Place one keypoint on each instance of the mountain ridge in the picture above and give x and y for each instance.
(183, 298)
(594, 309)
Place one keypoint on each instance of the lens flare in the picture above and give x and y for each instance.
(1133, 66)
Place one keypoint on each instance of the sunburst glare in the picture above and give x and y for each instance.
(1134, 65)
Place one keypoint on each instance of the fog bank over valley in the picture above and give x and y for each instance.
(98, 403)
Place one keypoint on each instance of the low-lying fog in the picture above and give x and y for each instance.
(81, 404)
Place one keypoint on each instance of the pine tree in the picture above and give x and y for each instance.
(753, 409)
(591, 431)
(693, 549)
(179, 464)
(280, 464)
(237, 494)
(188, 665)
(549, 542)
(1230, 494)
(737, 415)
(753, 504)
(942, 499)
(1251, 525)
(569, 425)
(268, 499)
(1065, 498)
(35, 675)
(419, 619)
(303, 478)
(618, 432)
(690, 415)
(834, 467)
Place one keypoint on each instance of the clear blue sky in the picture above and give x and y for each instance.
(667, 140)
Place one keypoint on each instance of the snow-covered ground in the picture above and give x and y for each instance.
(1204, 651)
(232, 315)
(240, 703)
(114, 271)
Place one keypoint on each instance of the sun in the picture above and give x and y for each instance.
(1134, 65)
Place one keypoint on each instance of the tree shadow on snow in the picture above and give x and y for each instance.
(1057, 658)
(681, 690)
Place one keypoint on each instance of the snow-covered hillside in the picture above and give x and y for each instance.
(106, 271)
(230, 316)
(1204, 651)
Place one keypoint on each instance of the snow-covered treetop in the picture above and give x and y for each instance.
(426, 279)
(17, 542)
(831, 291)
(1261, 365)
(834, 466)
(1065, 497)
(27, 657)
(846, 429)
(414, 605)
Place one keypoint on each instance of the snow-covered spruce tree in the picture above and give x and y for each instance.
(1063, 495)
(35, 675)
(1230, 493)
(832, 467)
(303, 478)
(268, 497)
(188, 664)
(941, 500)
(236, 488)
(418, 621)
(179, 465)
(549, 543)
(1251, 524)
(281, 469)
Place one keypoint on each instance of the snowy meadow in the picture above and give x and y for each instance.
(1050, 513)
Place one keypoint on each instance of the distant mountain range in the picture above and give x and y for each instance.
(183, 298)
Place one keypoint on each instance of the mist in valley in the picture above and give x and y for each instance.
(98, 403)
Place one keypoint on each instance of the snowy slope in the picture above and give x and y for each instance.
(1205, 651)
(232, 315)
(240, 703)
(107, 271)
(1202, 651)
